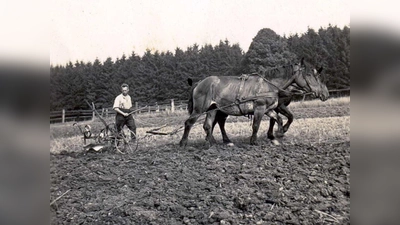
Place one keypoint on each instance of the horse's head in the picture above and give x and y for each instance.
(307, 79)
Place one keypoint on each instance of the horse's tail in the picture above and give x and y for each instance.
(190, 102)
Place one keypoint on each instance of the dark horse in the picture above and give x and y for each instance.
(309, 82)
(254, 98)
(248, 94)
(284, 100)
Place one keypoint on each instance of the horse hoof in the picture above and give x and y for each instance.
(230, 144)
(182, 144)
(275, 142)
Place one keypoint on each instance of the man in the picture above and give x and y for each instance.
(123, 105)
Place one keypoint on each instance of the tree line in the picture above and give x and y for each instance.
(160, 76)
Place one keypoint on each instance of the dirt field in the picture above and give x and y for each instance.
(302, 182)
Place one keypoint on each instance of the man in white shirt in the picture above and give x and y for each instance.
(123, 105)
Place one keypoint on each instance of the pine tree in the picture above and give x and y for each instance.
(267, 50)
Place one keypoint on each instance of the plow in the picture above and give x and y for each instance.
(108, 137)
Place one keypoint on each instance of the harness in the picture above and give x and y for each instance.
(239, 100)
(308, 84)
(244, 77)
(295, 84)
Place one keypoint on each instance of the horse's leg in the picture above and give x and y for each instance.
(278, 110)
(278, 120)
(274, 116)
(270, 133)
(285, 111)
(208, 126)
(221, 119)
(214, 123)
(258, 114)
(188, 125)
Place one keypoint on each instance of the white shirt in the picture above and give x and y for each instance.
(122, 102)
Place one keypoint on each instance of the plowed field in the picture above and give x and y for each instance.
(306, 180)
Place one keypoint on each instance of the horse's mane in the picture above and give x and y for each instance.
(283, 72)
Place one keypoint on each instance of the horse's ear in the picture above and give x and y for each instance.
(190, 81)
(302, 61)
(320, 70)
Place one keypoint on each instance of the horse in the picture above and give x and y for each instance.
(297, 82)
(310, 83)
(231, 95)
(322, 93)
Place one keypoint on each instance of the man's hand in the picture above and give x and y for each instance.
(121, 112)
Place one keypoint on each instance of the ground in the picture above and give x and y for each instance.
(239, 185)
(295, 183)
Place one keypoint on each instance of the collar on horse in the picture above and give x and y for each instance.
(239, 100)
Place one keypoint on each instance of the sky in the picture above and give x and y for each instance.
(83, 30)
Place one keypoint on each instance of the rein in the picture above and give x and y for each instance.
(289, 92)
(308, 84)
(309, 91)
(280, 89)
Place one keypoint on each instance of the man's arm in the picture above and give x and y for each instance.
(116, 106)
(120, 112)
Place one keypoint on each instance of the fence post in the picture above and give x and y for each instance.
(137, 107)
(172, 105)
(93, 115)
(106, 112)
(63, 116)
(158, 107)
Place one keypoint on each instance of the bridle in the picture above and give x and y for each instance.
(307, 88)
(279, 88)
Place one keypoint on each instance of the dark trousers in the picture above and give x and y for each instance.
(120, 121)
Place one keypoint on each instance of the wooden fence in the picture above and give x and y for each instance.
(63, 116)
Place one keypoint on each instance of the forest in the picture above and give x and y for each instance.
(160, 76)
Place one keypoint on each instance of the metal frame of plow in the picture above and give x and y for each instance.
(110, 134)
